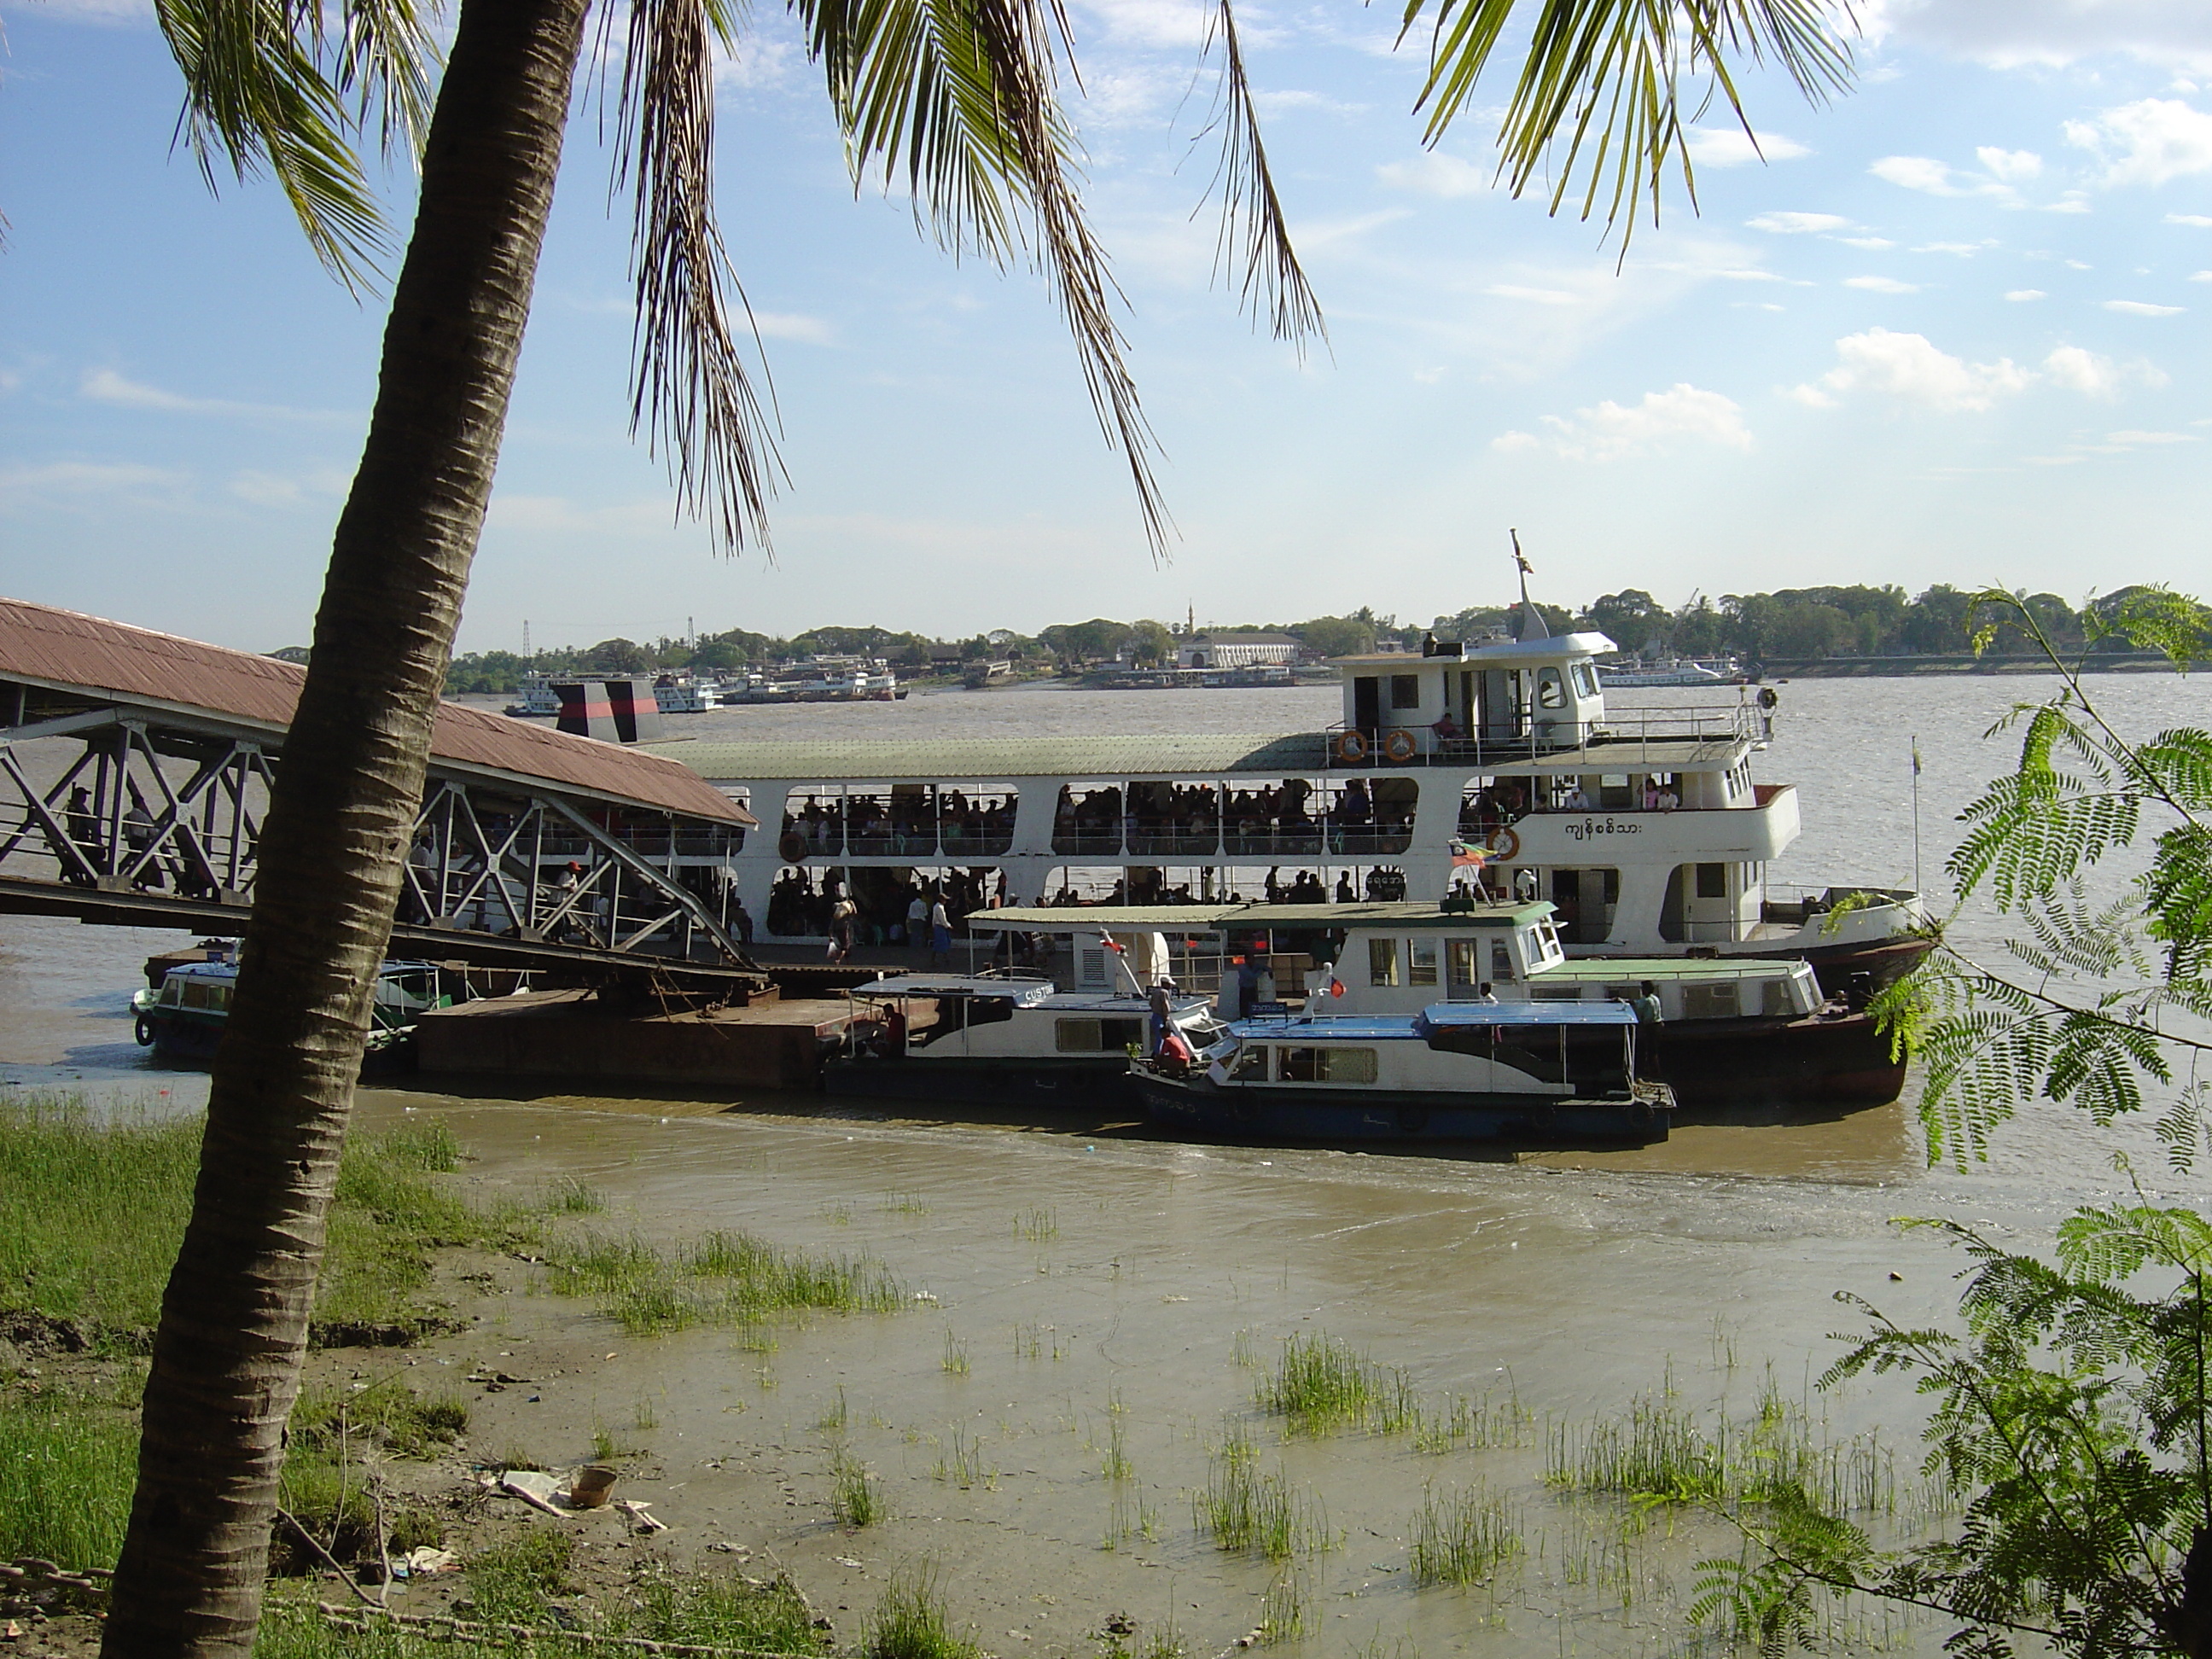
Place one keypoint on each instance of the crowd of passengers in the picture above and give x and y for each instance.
(903, 823)
(1274, 814)
(884, 912)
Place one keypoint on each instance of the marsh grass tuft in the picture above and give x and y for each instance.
(910, 1623)
(956, 1355)
(1037, 1224)
(1463, 1537)
(1283, 1609)
(853, 1496)
(67, 1462)
(726, 1278)
(1244, 1509)
(1322, 1385)
(905, 1203)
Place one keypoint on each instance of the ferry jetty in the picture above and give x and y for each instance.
(1487, 770)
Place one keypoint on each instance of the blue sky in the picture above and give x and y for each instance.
(1951, 329)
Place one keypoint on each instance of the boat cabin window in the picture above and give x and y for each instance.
(1405, 690)
(1585, 680)
(1382, 962)
(1465, 968)
(211, 994)
(1501, 960)
(1097, 1037)
(1551, 690)
(1775, 1002)
(957, 1013)
(1716, 1000)
(1420, 962)
(1251, 1065)
(1325, 1065)
(1712, 881)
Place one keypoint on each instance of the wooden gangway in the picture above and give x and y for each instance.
(135, 771)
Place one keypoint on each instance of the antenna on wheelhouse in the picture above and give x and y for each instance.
(1532, 625)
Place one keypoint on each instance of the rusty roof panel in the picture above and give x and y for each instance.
(105, 660)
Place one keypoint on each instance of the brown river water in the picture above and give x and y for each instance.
(1089, 1307)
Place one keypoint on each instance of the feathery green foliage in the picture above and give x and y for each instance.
(2103, 1002)
(2070, 1418)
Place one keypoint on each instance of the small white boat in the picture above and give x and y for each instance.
(1521, 1072)
(975, 1038)
(1679, 672)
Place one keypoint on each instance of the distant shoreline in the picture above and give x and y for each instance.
(1838, 668)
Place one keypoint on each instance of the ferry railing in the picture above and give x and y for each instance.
(1095, 843)
(1175, 843)
(1617, 738)
(960, 842)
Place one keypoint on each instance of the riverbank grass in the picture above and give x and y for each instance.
(724, 1278)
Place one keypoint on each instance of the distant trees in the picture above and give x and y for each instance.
(1336, 636)
(1630, 618)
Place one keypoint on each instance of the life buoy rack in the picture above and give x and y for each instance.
(1505, 843)
(793, 847)
(1351, 747)
(1398, 747)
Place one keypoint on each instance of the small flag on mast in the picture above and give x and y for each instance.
(1916, 755)
(1464, 853)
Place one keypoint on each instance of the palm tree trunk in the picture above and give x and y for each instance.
(227, 1356)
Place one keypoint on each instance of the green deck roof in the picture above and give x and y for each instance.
(877, 761)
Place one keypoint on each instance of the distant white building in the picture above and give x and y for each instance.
(1234, 650)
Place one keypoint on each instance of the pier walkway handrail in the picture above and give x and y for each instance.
(135, 773)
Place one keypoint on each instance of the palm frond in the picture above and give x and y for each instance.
(1254, 237)
(1612, 79)
(961, 95)
(257, 96)
(689, 388)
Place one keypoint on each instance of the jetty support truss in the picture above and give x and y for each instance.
(173, 804)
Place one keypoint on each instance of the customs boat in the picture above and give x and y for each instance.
(182, 1021)
(1526, 1071)
(950, 1037)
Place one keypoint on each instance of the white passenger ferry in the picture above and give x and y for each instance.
(1490, 769)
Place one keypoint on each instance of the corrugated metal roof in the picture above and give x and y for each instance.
(1266, 754)
(111, 661)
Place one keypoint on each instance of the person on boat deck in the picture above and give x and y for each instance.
(1652, 793)
(1668, 801)
(917, 919)
(1343, 893)
(1646, 1004)
(1161, 1001)
(1444, 730)
(1483, 993)
(940, 935)
(1577, 799)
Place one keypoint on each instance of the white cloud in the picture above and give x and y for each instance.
(104, 386)
(1435, 174)
(1179, 23)
(2200, 277)
(1876, 243)
(1908, 367)
(1882, 285)
(794, 326)
(99, 11)
(1613, 431)
(23, 481)
(2138, 439)
(2048, 34)
(1732, 147)
(2021, 296)
(1535, 296)
(1919, 172)
(2009, 165)
(2095, 375)
(2141, 308)
(277, 489)
(2149, 142)
(1963, 250)
(1799, 224)
(2202, 221)
(1291, 98)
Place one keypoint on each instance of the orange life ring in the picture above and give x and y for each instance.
(1351, 747)
(1398, 747)
(793, 847)
(1506, 845)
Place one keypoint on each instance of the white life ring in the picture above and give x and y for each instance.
(1506, 844)
(1351, 747)
(1398, 747)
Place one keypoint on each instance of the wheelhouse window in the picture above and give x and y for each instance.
(1420, 962)
(1405, 690)
(1501, 960)
(1325, 1065)
(1551, 690)
(1585, 681)
(1382, 962)
(1251, 1064)
(1717, 1001)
